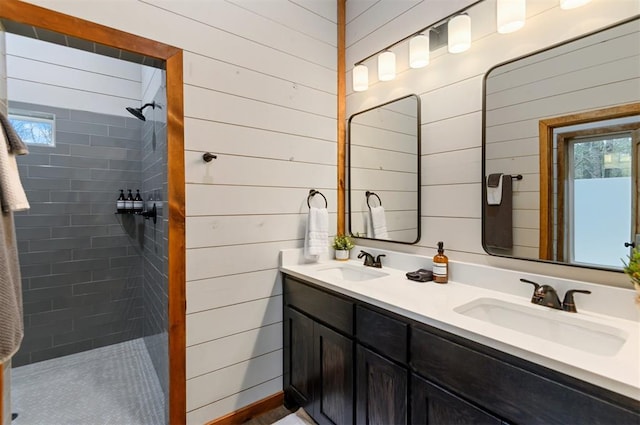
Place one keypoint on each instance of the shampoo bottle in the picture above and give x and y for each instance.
(120, 207)
(440, 265)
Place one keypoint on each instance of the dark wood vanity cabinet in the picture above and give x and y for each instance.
(382, 376)
(512, 388)
(431, 404)
(348, 362)
(318, 359)
(381, 390)
(298, 360)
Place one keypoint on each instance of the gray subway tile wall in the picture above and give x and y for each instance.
(82, 267)
(155, 255)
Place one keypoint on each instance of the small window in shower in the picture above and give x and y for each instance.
(35, 128)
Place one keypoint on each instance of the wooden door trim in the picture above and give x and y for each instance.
(36, 16)
(560, 202)
(342, 111)
(546, 128)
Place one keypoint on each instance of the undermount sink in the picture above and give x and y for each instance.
(349, 273)
(553, 325)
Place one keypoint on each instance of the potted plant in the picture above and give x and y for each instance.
(632, 269)
(342, 244)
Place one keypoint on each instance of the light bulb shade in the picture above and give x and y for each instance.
(386, 66)
(360, 78)
(511, 15)
(572, 4)
(459, 33)
(419, 51)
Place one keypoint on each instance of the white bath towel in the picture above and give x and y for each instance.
(12, 196)
(494, 194)
(379, 222)
(316, 236)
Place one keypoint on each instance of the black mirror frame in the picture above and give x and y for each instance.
(419, 170)
(484, 146)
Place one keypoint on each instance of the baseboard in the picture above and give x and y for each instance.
(251, 411)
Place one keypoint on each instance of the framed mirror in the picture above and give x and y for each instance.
(384, 171)
(561, 134)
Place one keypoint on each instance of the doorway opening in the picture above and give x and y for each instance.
(23, 14)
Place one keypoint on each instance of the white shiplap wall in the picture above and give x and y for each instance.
(260, 92)
(450, 88)
(53, 75)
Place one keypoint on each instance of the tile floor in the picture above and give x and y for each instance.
(113, 385)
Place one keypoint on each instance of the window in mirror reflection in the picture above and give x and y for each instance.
(573, 86)
(595, 196)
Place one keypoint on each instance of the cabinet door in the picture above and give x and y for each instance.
(381, 388)
(433, 405)
(298, 358)
(333, 389)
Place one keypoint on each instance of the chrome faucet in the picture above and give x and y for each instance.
(369, 261)
(547, 296)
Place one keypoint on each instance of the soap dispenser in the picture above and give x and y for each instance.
(440, 265)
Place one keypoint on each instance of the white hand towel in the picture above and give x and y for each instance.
(367, 219)
(494, 194)
(379, 222)
(12, 196)
(316, 237)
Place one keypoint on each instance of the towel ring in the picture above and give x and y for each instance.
(369, 194)
(312, 193)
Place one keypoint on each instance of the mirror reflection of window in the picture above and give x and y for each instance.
(585, 80)
(597, 197)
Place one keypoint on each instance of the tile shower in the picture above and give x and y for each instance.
(92, 278)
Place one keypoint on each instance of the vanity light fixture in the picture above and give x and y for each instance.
(419, 51)
(360, 78)
(459, 33)
(572, 4)
(386, 66)
(511, 15)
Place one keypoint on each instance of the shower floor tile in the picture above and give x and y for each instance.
(113, 385)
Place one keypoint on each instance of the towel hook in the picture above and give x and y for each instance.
(208, 156)
(312, 193)
(368, 193)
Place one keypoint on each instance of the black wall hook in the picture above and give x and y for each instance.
(208, 156)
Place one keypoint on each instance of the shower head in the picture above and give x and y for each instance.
(137, 112)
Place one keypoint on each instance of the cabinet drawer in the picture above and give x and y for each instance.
(386, 335)
(510, 391)
(330, 309)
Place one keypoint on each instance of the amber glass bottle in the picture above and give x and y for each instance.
(440, 265)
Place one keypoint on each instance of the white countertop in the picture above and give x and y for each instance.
(434, 304)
